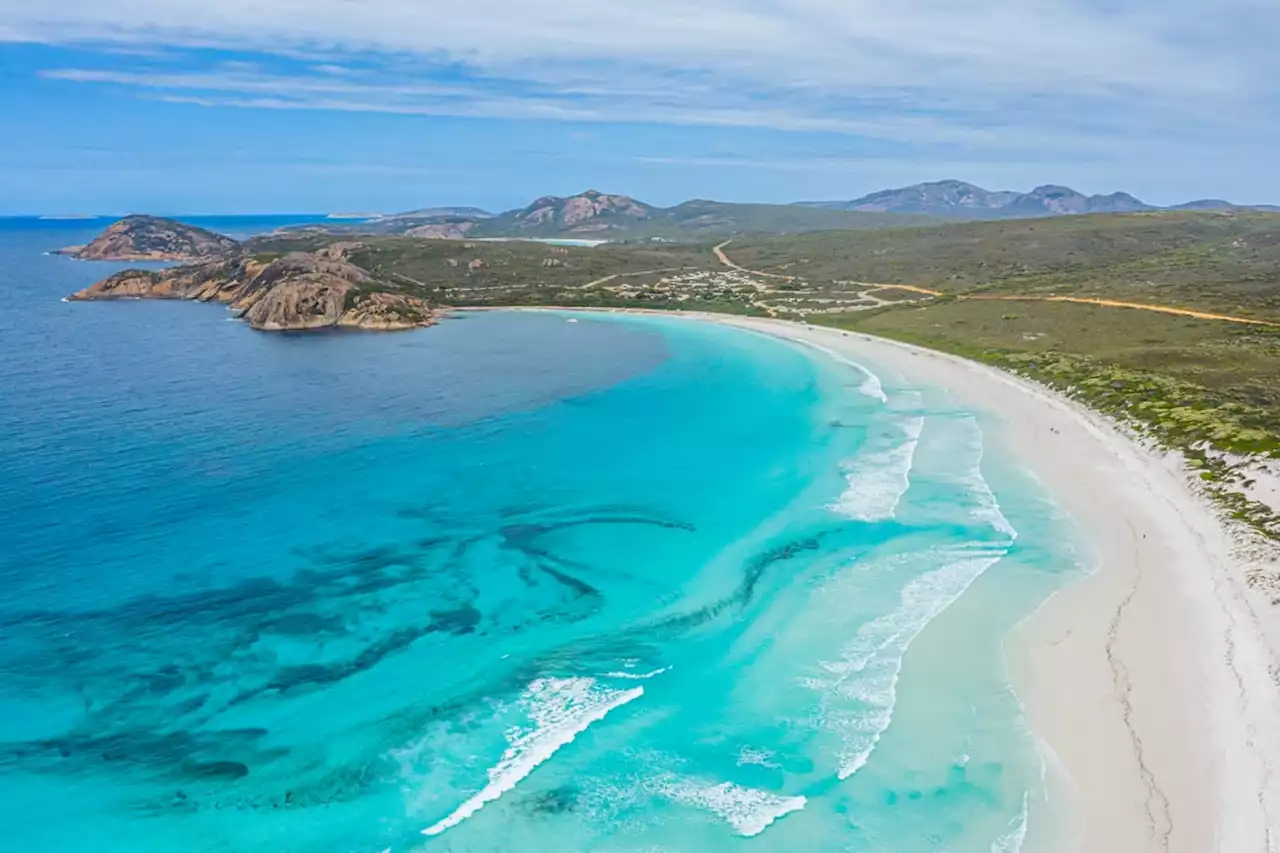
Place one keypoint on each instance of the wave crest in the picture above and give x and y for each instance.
(560, 710)
(748, 810)
(878, 481)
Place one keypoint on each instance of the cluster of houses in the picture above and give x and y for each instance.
(682, 287)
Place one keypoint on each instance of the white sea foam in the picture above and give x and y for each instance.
(877, 481)
(860, 688)
(871, 385)
(1012, 841)
(758, 756)
(560, 710)
(636, 676)
(988, 508)
(748, 810)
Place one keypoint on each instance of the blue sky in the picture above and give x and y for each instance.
(213, 106)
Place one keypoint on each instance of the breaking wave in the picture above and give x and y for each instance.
(871, 385)
(877, 481)
(635, 676)
(859, 689)
(748, 810)
(560, 709)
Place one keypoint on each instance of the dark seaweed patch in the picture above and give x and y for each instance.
(217, 770)
(458, 621)
(553, 802)
(154, 674)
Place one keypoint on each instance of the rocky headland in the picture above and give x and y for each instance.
(294, 292)
(152, 238)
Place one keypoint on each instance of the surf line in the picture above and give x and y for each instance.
(570, 708)
(877, 481)
(871, 385)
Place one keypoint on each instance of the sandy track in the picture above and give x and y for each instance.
(1079, 300)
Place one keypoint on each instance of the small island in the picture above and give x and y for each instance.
(283, 291)
(152, 238)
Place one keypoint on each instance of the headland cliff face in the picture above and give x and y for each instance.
(297, 291)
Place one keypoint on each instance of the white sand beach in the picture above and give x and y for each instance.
(1151, 682)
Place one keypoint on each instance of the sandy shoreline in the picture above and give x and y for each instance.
(1151, 683)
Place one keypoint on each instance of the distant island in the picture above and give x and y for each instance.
(152, 238)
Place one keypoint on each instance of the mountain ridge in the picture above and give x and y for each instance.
(954, 199)
(593, 214)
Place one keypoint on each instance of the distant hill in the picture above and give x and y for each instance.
(1210, 204)
(584, 214)
(607, 216)
(437, 212)
(704, 217)
(960, 200)
(152, 238)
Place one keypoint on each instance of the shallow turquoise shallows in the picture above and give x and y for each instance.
(536, 582)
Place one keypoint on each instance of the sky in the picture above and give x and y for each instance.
(226, 106)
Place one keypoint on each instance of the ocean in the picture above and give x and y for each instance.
(520, 581)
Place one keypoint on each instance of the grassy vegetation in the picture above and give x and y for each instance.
(702, 220)
(272, 246)
(1226, 263)
(480, 272)
(483, 273)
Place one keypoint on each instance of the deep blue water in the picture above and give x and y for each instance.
(518, 581)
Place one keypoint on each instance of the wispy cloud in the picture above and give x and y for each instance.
(1039, 45)
(990, 76)
(504, 99)
(1089, 47)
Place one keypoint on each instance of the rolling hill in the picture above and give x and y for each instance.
(959, 200)
(594, 215)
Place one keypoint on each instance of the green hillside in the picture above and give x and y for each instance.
(1215, 261)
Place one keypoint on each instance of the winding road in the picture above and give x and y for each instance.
(1079, 300)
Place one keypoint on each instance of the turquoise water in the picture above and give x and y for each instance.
(513, 582)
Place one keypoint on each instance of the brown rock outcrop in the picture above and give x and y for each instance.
(585, 212)
(295, 292)
(152, 238)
